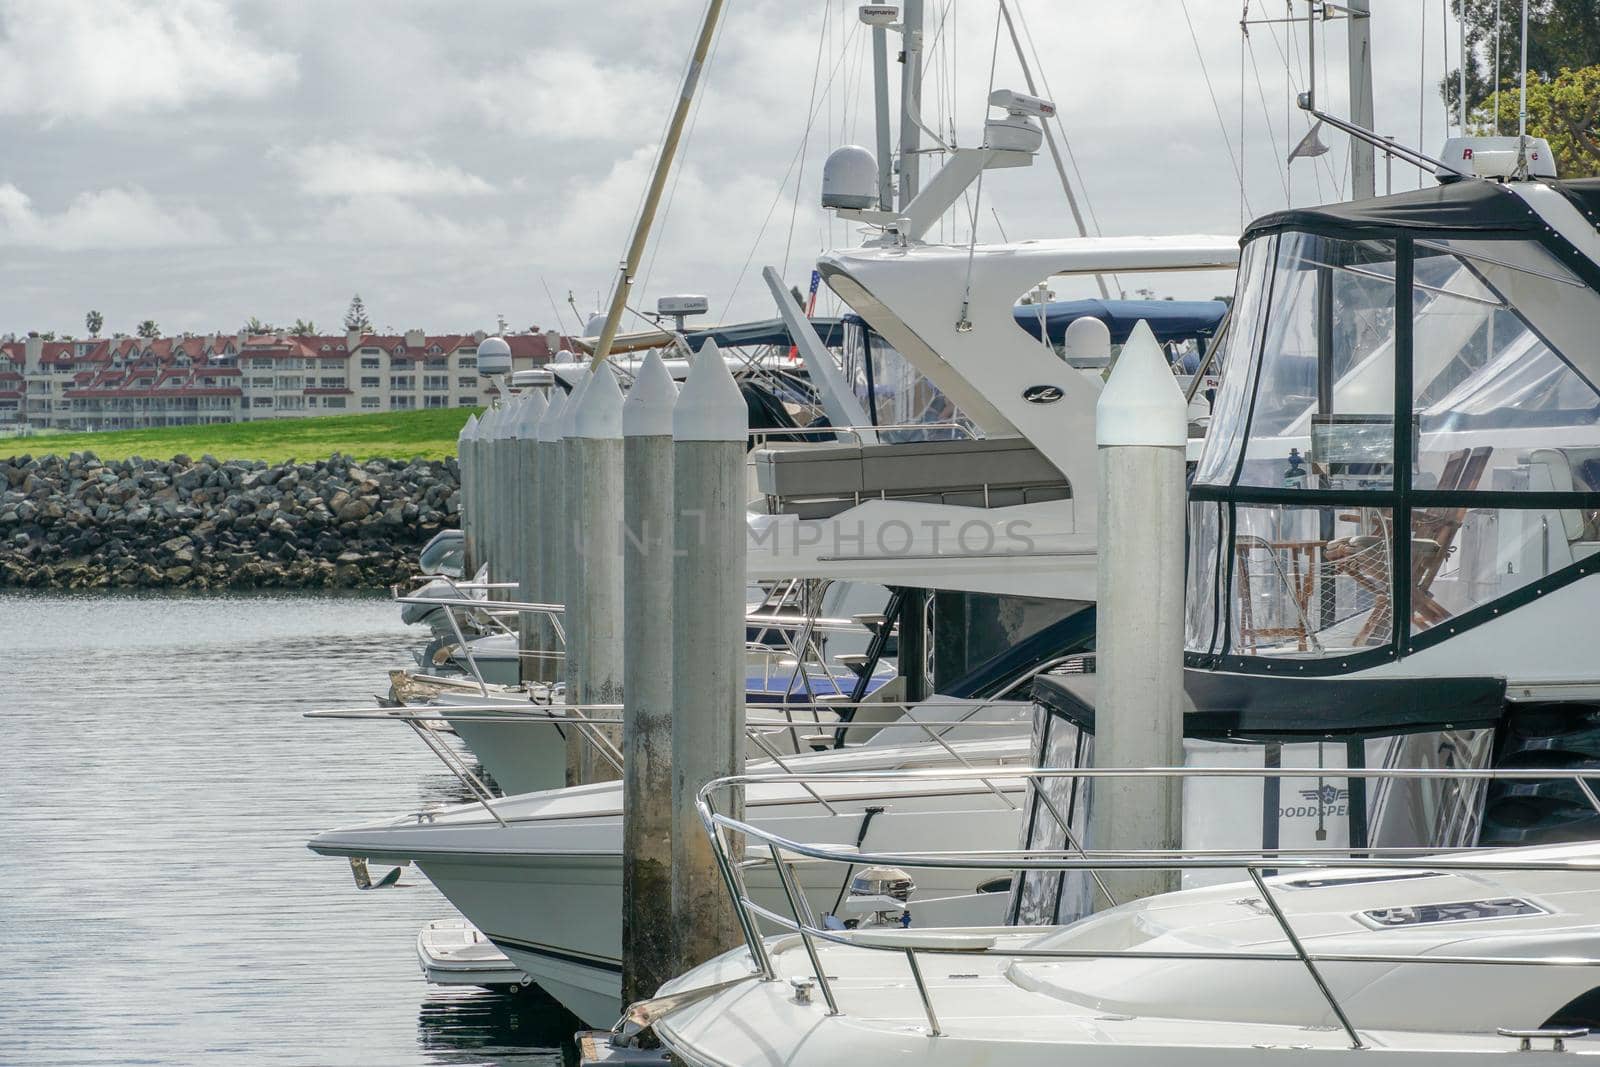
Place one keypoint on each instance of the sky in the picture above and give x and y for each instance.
(200, 162)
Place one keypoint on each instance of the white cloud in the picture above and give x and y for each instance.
(336, 169)
(389, 220)
(569, 95)
(103, 219)
(96, 59)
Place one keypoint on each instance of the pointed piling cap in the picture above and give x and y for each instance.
(505, 426)
(648, 410)
(469, 431)
(574, 398)
(550, 422)
(487, 424)
(599, 415)
(1141, 403)
(529, 413)
(710, 406)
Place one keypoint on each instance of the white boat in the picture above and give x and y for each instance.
(453, 952)
(541, 874)
(1427, 965)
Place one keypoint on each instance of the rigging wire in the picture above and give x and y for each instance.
(777, 197)
(1280, 154)
(1221, 125)
(964, 324)
(683, 162)
(1061, 129)
(805, 139)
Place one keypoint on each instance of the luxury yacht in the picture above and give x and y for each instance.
(1392, 559)
(1488, 954)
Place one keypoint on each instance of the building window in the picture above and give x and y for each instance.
(466, 401)
(468, 362)
(438, 383)
(330, 383)
(334, 401)
(402, 403)
(369, 383)
(261, 402)
(261, 363)
(371, 402)
(436, 401)
(370, 363)
(467, 381)
(402, 381)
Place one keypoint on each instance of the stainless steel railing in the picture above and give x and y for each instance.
(1256, 864)
(589, 719)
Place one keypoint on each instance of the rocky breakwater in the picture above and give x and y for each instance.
(77, 522)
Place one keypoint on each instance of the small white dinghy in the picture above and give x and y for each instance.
(453, 952)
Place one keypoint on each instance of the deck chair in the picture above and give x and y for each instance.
(1433, 533)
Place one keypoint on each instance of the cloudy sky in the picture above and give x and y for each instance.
(202, 161)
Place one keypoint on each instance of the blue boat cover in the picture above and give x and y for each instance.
(1172, 320)
(765, 332)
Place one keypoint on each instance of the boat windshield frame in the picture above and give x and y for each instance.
(1233, 501)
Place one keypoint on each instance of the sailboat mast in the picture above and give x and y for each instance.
(880, 99)
(910, 102)
(658, 181)
(1363, 173)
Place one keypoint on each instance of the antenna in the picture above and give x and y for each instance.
(1522, 106)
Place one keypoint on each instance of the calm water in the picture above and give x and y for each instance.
(157, 901)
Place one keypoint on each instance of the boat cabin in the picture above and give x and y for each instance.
(1404, 454)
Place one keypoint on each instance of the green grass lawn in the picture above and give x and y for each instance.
(392, 435)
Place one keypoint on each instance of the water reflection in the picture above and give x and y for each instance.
(158, 900)
(479, 1026)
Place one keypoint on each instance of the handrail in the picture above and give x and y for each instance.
(721, 828)
(759, 437)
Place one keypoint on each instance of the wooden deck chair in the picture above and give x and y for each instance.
(1433, 532)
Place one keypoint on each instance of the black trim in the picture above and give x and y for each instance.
(1400, 573)
(556, 954)
(1251, 708)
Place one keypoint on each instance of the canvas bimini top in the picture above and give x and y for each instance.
(1402, 471)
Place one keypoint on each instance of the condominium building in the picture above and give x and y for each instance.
(126, 382)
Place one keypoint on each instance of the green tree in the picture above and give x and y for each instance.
(149, 330)
(1562, 35)
(1564, 110)
(304, 328)
(356, 317)
(255, 326)
(94, 321)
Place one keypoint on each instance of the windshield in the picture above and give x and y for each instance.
(1489, 343)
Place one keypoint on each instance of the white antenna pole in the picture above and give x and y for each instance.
(1461, 88)
(1522, 106)
(1363, 161)
(910, 101)
(1497, 68)
(880, 93)
(658, 181)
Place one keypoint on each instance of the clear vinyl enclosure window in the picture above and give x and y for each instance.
(1400, 528)
(895, 393)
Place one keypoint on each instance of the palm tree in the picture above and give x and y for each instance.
(94, 321)
(149, 330)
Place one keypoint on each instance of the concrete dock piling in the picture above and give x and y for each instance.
(1141, 429)
(597, 446)
(530, 627)
(647, 683)
(571, 569)
(466, 462)
(503, 496)
(710, 429)
(552, 524)
(484, 486)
